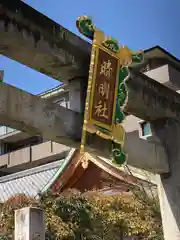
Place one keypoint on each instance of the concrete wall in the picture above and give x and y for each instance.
(46, 151)
(19, 157)
(167, 75)
(174, 77)
(160, 74)
(132, 123)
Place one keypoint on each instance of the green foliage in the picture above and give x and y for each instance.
(72, 215)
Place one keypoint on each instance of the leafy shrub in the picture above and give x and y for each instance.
(72, 215)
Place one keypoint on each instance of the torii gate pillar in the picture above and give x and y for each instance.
(77, 94)
(168, 131)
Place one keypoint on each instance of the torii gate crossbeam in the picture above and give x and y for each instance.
(29, 37)
(24, 111)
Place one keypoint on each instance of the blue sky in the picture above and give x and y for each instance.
(140, 24)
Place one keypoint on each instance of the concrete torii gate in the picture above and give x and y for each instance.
(32, 39)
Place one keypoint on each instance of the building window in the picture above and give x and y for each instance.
(146, 129)
(5, 130)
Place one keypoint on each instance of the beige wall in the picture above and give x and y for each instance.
(167, 75)
(132, 123)
(48, 150)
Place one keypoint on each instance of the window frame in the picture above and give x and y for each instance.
(141, 132)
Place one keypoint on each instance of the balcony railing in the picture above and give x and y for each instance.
(46, 150)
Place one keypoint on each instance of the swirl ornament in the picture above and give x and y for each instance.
(85, 26)
(125, 57)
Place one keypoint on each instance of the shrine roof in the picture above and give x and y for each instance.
(33, 181)
(40, 179)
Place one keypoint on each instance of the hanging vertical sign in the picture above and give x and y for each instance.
(107, 93)
(103, 93)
